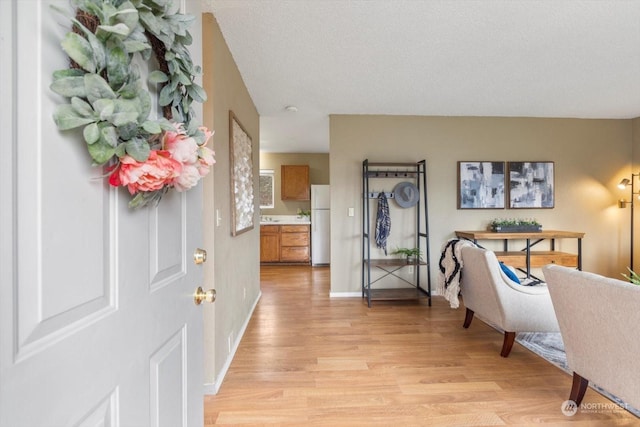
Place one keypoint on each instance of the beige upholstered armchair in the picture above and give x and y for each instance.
(499, 301)
(599, 321)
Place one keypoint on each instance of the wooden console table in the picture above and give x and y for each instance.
(526, 259)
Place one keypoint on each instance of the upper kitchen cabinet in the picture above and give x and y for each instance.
(295, 182)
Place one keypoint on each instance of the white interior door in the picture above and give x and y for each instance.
(98, 325)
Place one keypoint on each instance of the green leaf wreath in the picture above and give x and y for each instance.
(109, 100)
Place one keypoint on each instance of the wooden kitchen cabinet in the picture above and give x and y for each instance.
(285, 243)
(269, 243)
(294, 243)
(294, 181)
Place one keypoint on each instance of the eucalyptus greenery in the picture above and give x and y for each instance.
(502, 222)
(107, 97)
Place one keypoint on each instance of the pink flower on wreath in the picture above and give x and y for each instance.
(205, 154)
(151, 175)
(207, 134)
(180, 164)
(187, 179)
(196, 160)
(205, 160)
(182, 147)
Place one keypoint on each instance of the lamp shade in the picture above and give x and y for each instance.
(623, 184)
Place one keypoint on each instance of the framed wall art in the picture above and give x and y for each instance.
(531, 185)
(267, 191)
(481, 185)
(241, 166)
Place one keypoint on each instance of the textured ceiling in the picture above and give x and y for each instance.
(526, 58)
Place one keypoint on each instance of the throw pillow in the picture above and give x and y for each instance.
(510, 274)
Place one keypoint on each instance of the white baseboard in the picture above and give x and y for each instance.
(359, 294)
(213, 388)
(345, 294)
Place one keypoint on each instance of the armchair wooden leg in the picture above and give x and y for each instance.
(468, 318)
(509, 338)
(578, 388)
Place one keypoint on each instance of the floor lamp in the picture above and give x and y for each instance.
(623, 203)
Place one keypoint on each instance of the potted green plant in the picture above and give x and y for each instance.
(411, 254)
(632, 277)
(514, 225)
(304, 213)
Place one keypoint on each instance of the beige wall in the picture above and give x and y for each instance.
(318, 174)
(636, 142)
(591, 157)
(235, 271)
(635, 170)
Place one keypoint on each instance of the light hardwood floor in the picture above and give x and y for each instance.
(308, 360)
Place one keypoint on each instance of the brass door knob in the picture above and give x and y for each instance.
(201, 295)
(199, 256)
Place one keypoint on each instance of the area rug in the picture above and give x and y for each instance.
(550, 347)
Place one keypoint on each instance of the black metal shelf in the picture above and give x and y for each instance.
(415, 289)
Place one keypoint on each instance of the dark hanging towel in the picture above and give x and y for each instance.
(383, 222)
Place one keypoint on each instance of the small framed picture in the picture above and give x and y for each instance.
(267, 199)
(481, 185)
(531, 185)
(241, 162)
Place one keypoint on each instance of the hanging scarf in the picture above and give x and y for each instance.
(383, 222)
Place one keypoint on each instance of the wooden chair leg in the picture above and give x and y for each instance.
(468, 318)
(509, 338)
(578, 388)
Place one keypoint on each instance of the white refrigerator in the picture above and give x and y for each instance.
(320, 225)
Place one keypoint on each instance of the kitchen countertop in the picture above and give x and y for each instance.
(284, 220)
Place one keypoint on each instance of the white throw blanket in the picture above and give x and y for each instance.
(450, 269)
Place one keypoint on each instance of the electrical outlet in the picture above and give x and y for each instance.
(230, 335)
(411, 269)
(244, 294)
